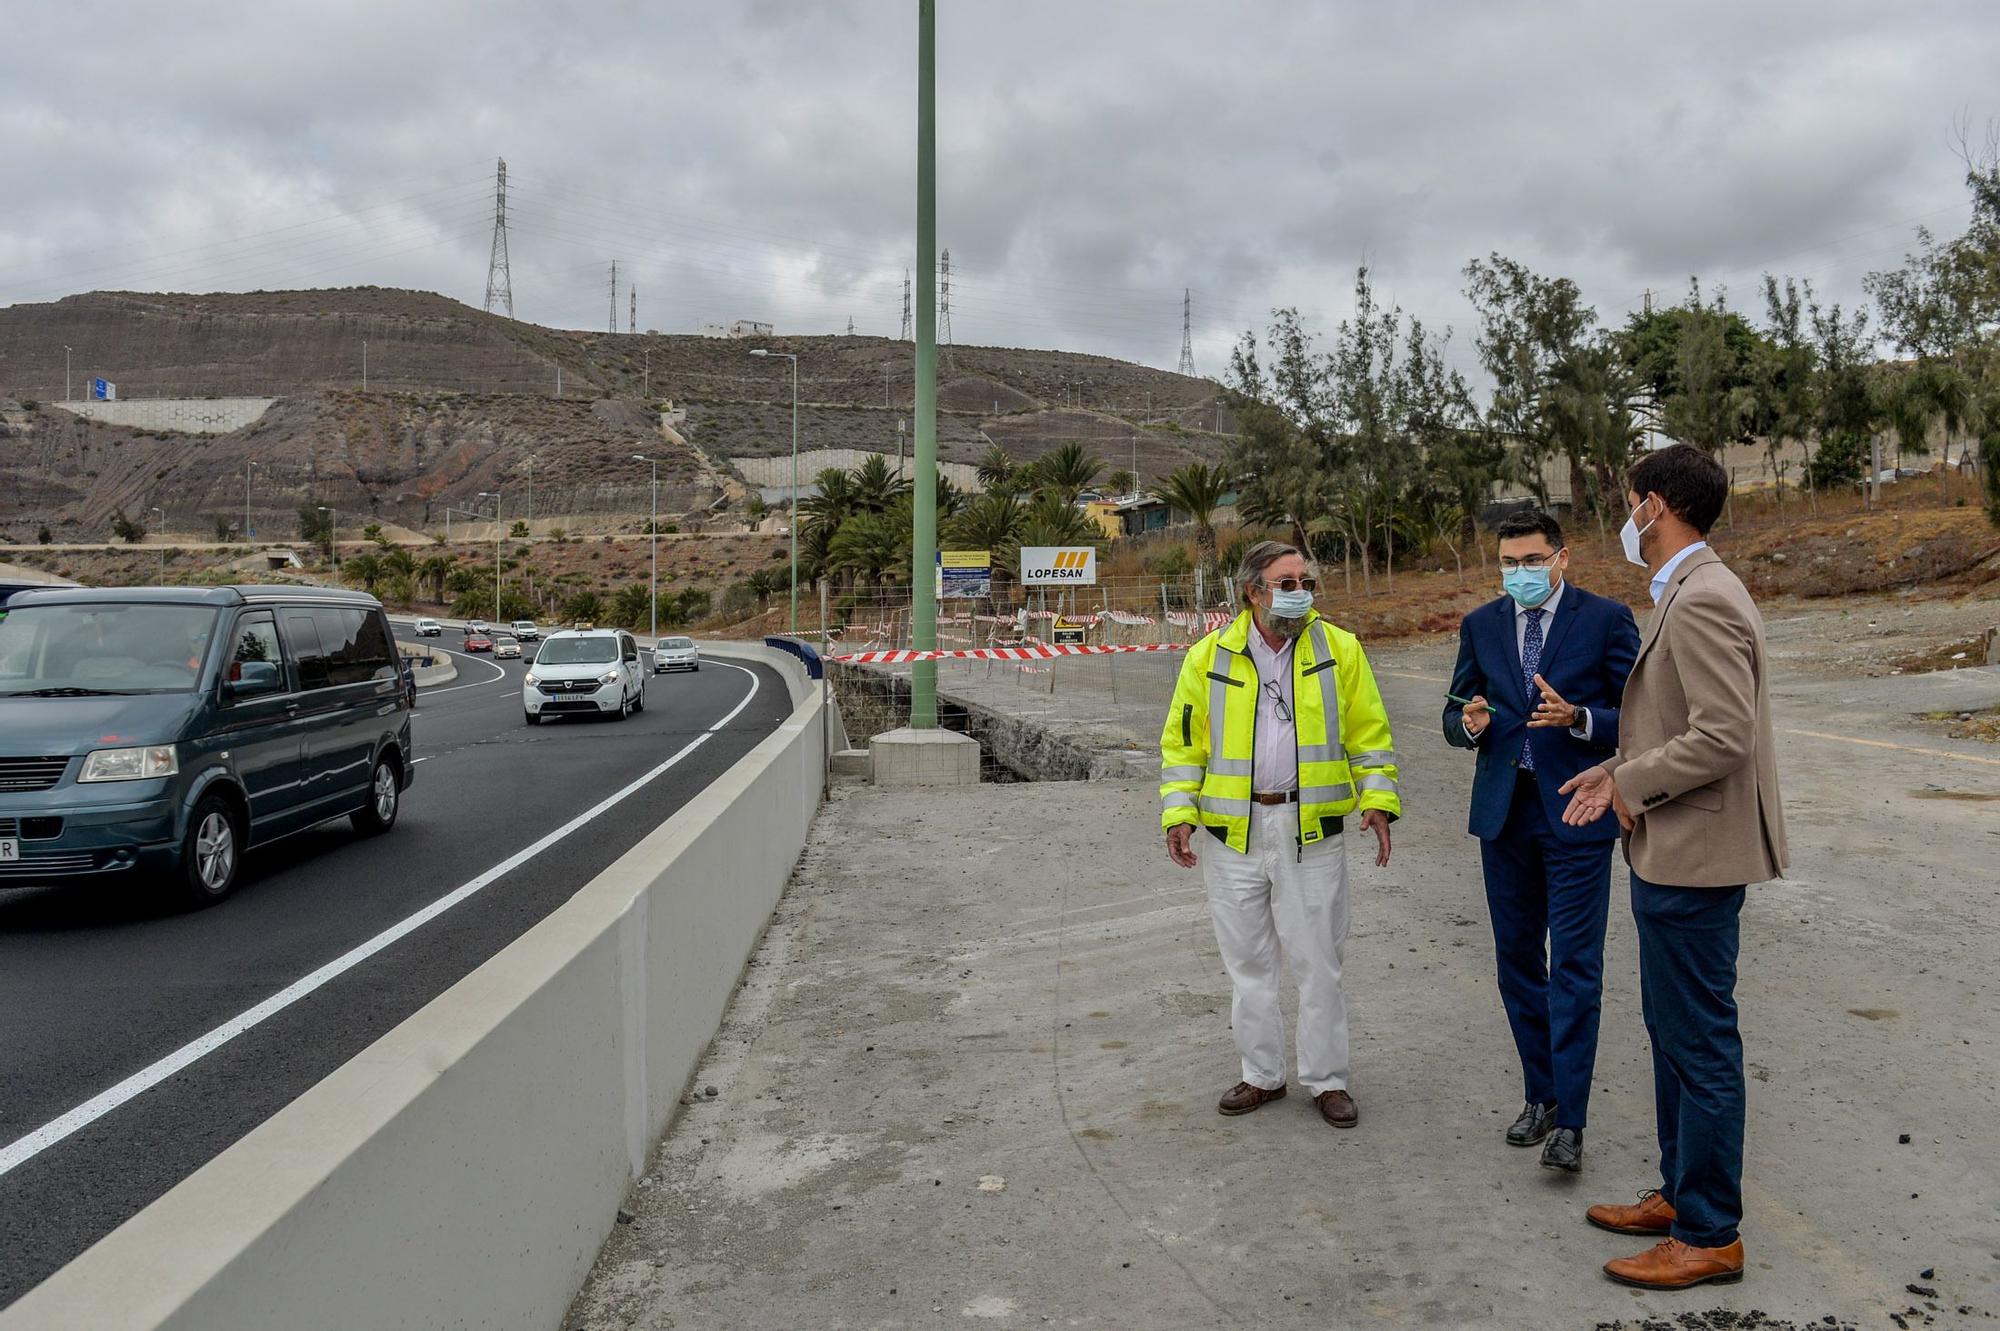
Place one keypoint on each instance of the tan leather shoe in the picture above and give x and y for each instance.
(1651, 1216)
(1675, 1265)
(1243, 1097)
(1338, 1108)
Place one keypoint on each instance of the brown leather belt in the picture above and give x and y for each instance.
(1282, 797)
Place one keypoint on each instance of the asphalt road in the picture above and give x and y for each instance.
(100, 984)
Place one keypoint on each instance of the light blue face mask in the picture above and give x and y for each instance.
(1529, 586)
(1291, 605)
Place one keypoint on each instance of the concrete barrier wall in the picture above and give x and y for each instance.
(188, 415)
(777, 471)
(464, 1170)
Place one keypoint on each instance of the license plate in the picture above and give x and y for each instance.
(10, 850)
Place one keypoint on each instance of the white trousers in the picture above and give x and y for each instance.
(1275, 900)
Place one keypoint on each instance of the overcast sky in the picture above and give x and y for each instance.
(756, 158)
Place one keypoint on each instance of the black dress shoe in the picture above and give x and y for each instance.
(1536, 1122)
(1564, 1151)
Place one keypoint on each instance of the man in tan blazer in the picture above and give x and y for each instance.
(1695, 785)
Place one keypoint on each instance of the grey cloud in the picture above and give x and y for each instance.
(757, 159)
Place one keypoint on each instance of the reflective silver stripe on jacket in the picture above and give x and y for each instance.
(1178, 799)
(1329, 688)
(1227, 808)
(1320, 753)
(1376, 781)
(1373, 758)
(1230, 766)
(1189, 773)
(1325, 794)
(1218, 705)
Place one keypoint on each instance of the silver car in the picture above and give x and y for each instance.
(676, 654)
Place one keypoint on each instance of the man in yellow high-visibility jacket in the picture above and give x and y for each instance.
(1276, 736)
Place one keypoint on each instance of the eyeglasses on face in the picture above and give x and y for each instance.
(1292, 584)
(1532, 561)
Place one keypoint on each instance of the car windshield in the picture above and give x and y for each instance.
(577, 651)
(59, 651)
(676, 644)
(505, 641)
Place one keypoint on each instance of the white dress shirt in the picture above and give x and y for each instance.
(1658, 587)
(1582, 727)
(1274, 763)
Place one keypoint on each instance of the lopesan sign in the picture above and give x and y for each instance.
(1058, 566)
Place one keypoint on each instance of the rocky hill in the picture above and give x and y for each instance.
(460, 402)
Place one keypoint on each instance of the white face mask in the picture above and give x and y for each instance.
(1629, 535)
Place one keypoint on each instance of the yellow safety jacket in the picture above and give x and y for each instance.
(1346, 761)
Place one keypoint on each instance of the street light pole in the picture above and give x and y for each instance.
(923, 544)
(364, 364)
(653, 530)
(793, 524)
(498, 531)
(66, 396)
(163, 549)
(333, 537)
(247, 465)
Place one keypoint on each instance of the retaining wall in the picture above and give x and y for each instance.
(464, 1170)
(188, 415)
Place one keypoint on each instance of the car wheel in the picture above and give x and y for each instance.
(640, 704)
(211, 853)
(385, 800)
(532, 719)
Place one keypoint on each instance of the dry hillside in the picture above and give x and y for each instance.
(459, 400)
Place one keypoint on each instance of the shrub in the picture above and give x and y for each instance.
(44, 536)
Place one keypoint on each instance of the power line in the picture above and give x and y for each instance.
(499, 275)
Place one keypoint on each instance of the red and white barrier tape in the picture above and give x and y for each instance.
(1037, 653)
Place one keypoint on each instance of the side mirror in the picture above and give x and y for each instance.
(247, 679)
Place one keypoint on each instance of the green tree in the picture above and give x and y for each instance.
(870, 548)
(583, 607)
(875, 485)
(316, 528)
(434, 570)
(519, 531)
(125, 529)
(1197, 490)
(631, 605)
(992, 521)
(1528, 326)
(1067, 471)
(997, 470)
(364, 569)
(44, 536)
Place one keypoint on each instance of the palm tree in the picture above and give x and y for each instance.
(992, 522)
(870, 547)
(876, 485)
(398, 562)
(1053, 520)
(1198, 490)
(1121, 482)
(435, 570)
(364, 569)
(997, 470)
(1068, 471)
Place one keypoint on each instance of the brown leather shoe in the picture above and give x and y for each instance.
(1651, 1216)
(1337, 1108)
(1243, 1097)
(1674, 1265)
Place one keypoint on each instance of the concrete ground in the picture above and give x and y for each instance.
(971, 1076)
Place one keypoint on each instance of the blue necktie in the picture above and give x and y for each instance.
(1531, 661)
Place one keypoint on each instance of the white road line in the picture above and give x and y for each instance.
(24, 1149)
(499, 673)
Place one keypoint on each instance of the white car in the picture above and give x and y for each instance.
(588, 672)
(525, 630)
(506, 646)
(429, 628)
(676, 654)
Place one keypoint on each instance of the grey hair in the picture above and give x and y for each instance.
(1258, 558)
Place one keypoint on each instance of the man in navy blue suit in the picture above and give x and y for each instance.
(1544, 669)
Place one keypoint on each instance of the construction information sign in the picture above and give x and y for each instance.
(1058, 566)
(1066, 633)
(965, 574)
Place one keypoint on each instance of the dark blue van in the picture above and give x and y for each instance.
(164, 731)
